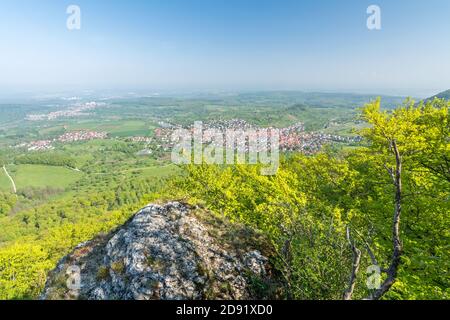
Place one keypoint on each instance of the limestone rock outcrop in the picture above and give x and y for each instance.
(163, 252)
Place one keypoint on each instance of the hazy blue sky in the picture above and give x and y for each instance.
(226, 45)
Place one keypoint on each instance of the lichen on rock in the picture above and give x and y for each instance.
(163, 252)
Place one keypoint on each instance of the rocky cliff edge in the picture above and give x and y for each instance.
(171, 251)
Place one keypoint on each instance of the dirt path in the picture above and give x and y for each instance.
(73, 169)
(10, 178)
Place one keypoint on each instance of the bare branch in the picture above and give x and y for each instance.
(391, 172)
(370, 252)
(397, 245)
(355, 267)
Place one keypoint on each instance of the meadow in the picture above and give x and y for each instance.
(40, 176)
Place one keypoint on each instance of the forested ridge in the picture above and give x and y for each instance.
(333, 219)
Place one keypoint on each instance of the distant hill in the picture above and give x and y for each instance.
(443, 95)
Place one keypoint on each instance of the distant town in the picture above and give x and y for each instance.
(76, 110)
(41, 145)
(292, 139)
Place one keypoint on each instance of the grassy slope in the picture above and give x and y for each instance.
(117, 128)
(5, 184)
(39, 176)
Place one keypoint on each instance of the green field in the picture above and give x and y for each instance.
(38, 176)
(5, 184)
(116, 128)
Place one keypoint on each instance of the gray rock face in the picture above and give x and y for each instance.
(164, 252)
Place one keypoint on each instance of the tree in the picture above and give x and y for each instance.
(415, 135)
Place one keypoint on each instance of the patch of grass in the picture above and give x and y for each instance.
(5, 183)
(272, 288)
(202, 270)
(225, 287)
(102, 273)
(118, 267)
(156, 264)
(42, 176)
(116, 128)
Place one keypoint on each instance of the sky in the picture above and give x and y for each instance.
(206, 45)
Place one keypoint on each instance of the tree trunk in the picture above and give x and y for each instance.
(396, 255)
(355, 268)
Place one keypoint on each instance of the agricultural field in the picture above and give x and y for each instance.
(41, 176)
(115, 128)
